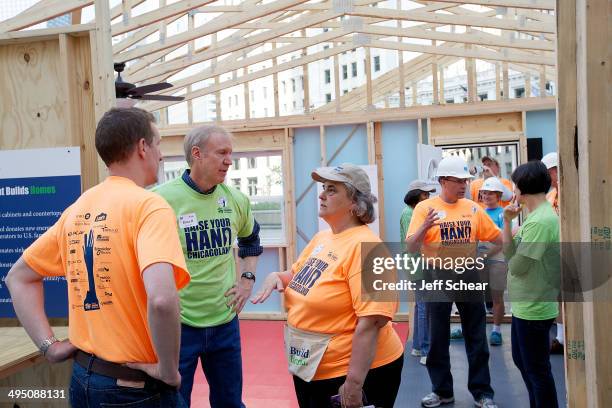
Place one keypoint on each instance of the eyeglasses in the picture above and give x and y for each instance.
(457, 180)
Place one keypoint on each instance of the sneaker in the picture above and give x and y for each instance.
(415, 353)
(495, 339)
(556, 347)
(434, 400)
(485, 402)
(456, 334)
(423, 360)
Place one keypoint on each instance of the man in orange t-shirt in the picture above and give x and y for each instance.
(119, 250)
(443, 227)
(490, 169)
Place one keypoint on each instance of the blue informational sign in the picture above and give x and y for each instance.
(28, 207)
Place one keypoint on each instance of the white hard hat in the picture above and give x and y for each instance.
(453, 166)
(551, 160)
(494, 184)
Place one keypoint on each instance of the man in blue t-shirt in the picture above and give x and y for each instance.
(495, 267)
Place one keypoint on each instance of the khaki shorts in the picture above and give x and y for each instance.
(496, 273)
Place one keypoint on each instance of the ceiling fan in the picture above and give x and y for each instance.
(126, 90)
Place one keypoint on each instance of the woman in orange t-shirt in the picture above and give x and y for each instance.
(363, 359)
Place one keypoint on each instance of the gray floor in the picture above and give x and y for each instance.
(506, 380)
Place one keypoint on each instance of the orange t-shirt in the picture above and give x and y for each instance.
(477, 184)
(553, 198)
(102, 244)
(324, 296)
(460, 225)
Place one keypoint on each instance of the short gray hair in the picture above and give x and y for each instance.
(198, 137)
(363, 204)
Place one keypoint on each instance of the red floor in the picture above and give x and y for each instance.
(266, 380)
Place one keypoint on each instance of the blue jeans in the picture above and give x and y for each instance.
(91, 390)
(420, 336)
(531, 355)
(473, 324)
(218, 348)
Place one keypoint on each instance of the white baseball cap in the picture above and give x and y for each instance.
(551, 160)
(345, 173)
(421, 185)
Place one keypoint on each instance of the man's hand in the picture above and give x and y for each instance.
(351, 395)
(60, 351)
(430, 219)
(153, 370)
(239, 294)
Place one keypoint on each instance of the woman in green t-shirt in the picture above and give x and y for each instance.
(533, 280)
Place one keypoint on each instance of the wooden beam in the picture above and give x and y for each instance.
(497, 81)
(139, 35)
(247, 105)
(542, 80)
(323, 146)
(234, 44)
(477, 37)
(594, 121)
(527, 77)
(442, 96)
(275, 85)
(415, 96)
(368, 66)
(378, 157)
(258, 74)
(505, 80)
(445, 19)
(434, 77)
(218, 24)
(42, 11)
(152, 17)
(387, 115)
(527, 4)
(337, 82)
(467, 53)
(102, 71)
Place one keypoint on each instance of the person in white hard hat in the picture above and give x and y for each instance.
(551, 161)
(448, 227)
(490, 169)
(492, 192)
(418, 190)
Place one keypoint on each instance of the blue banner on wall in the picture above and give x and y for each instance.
(28, 207)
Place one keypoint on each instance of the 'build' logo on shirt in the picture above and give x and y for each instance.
(308, 275)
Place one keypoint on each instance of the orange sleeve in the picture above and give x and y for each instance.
(158, 241)
(44, 255)
(418, 216)
(365, 308)
(487, 230)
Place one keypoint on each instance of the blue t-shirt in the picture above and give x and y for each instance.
(497, 215)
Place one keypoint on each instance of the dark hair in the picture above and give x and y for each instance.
(531, 178)
(413, 197)
(119, 131)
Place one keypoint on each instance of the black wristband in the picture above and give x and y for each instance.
(248, 275)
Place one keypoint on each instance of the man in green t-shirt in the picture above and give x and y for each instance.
(211, 216)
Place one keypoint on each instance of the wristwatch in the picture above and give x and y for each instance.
(46, 343)
(248, 275)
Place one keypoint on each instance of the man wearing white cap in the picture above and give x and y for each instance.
(551, 160)
(449, 226)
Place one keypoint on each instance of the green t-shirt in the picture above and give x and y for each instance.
(405, 222)
(538, 240)
(208, 226)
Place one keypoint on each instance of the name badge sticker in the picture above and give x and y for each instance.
(188, 220)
